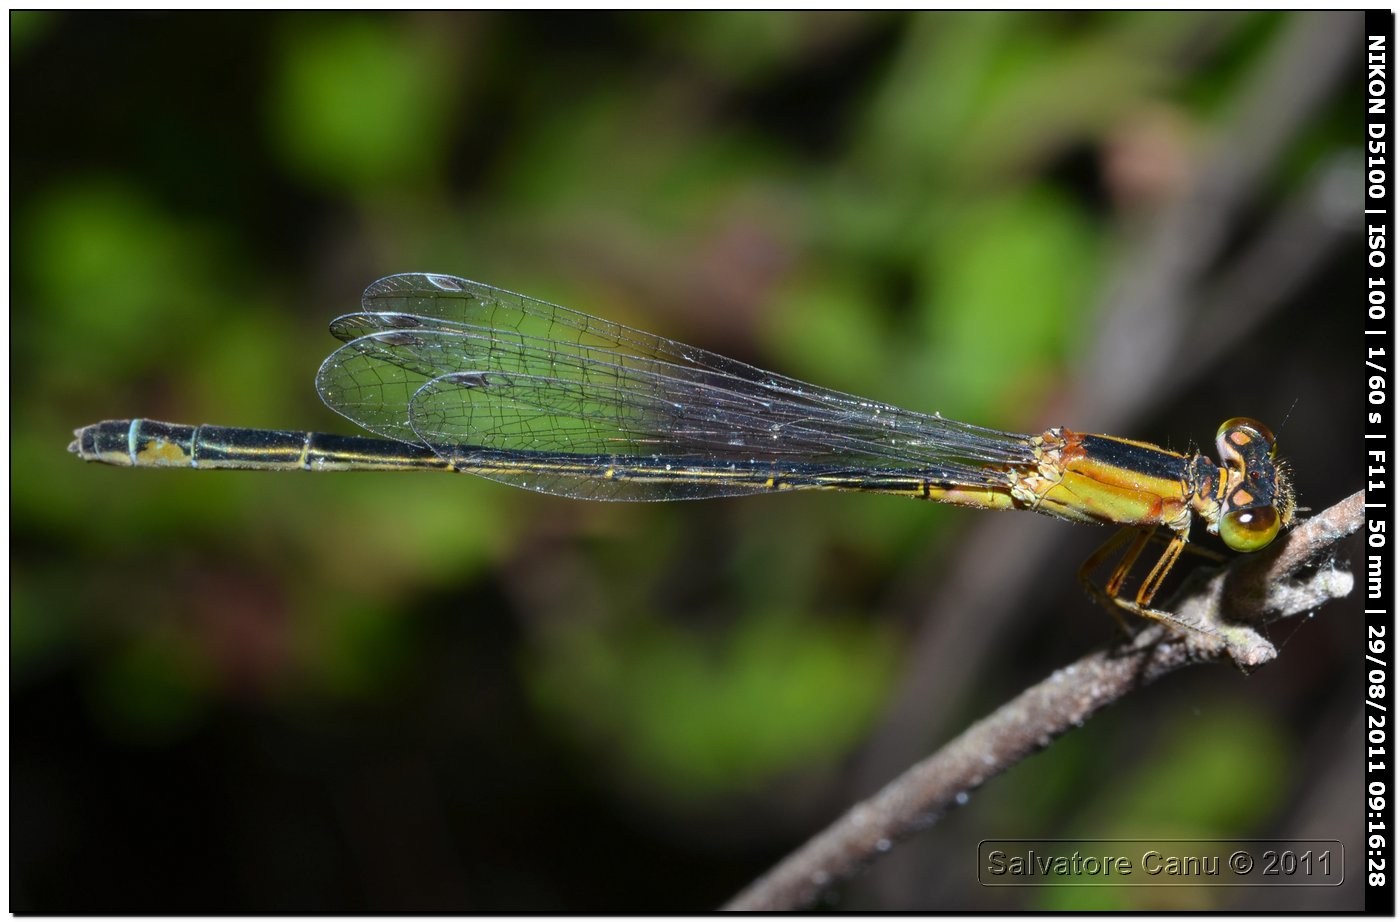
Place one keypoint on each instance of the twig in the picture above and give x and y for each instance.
(1297, 575)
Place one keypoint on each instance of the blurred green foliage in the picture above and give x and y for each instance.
(1201, 780)
(890, 204)
(362, 106)
(684, 713)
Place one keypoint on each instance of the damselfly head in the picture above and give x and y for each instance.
(1257, 498)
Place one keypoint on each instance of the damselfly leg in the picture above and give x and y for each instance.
(1109, 593)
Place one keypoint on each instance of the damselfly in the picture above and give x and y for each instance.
(452, 375)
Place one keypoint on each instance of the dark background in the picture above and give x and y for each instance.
(254, 692)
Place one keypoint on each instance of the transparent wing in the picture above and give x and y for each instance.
(465, 369)
(551, 436)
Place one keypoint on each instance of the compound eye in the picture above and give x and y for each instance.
(1235, 434)
(1248, 530)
